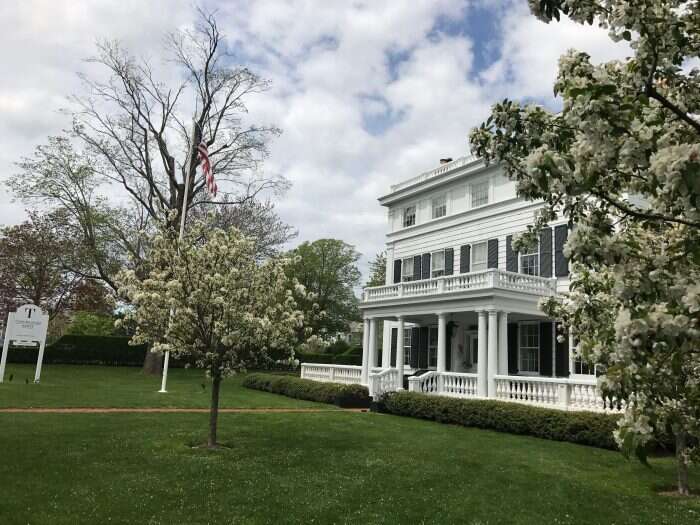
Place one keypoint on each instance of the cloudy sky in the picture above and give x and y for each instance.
(366, 92)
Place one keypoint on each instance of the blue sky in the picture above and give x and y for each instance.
(367, 93)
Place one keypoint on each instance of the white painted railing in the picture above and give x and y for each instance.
(443, 168)
(456, 384)
(382, 382)
(493, 278)
(426, 383)
(347, 374)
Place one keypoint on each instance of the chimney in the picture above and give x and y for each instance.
(445, 161)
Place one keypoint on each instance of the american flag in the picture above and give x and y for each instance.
(203, 157)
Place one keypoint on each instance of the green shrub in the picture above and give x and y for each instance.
(585, 428)
(84, 350)
(329, 359)
(338, 347)
(345, 396)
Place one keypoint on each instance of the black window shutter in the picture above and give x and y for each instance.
(546, 348)
(425, 263)
(397, 271)
(414, 348)
(448, 347)
(546, 252)
(416, 267)
(562, 354)
(394, 340)
(423, 347)
(449, 261)
(511, 256)
(512, 348)
(464, 258)
(493, 253)
(561, 264)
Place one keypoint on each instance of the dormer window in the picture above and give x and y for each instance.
(480, 193)
(439, 206)
(409, 216)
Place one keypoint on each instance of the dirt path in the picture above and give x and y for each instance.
(173, 410)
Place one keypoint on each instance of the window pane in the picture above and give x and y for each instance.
(409, 216)
(407, 269)
(480, 194)
(479, 256)
(529, 356)
(439, 206)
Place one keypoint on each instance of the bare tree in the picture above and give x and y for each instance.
(139, 129)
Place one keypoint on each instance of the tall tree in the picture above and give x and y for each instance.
(231, 311)
(327, 268)
(141, 130)
(622, 162)
(30, 265)
(377, 270)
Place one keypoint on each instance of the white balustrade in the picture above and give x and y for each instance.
(382, 382)
(493, 278)
(426, 383)
(346, 374)
(456, 384)
(443, 168)
(530, 390)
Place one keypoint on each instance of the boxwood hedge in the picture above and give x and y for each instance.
(585, 428)
(345, 396)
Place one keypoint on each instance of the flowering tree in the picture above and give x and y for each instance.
(210, 300)
(622, 162)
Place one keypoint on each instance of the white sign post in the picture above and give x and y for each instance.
(27, 326)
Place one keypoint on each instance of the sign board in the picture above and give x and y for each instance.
(28, 325)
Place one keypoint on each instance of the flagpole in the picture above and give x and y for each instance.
(183, 213)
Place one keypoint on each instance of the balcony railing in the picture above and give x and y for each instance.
(443, 168)
(494, 278)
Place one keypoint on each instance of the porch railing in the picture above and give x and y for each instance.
(384, 381)
(493, 278)
(347, 374)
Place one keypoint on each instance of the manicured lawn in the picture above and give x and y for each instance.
(102, 386)
(333, 467)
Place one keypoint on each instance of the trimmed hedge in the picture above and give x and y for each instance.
(345, 396)
(329, 359)
(84, 350)
(584, 428)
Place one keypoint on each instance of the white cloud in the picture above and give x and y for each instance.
(367, 93)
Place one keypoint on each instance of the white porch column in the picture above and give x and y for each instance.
(365, 352)
(386, 349)
(372, 345)
(492, 352)
(442, 342)
(503, 343)
(481, 365)
(399, 353)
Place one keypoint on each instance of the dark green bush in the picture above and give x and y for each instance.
(84, 350)
(338, 347)
(585, 428)
(345, 396)
(342, 359)
(354, 350)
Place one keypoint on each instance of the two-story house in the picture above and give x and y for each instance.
(460, 306)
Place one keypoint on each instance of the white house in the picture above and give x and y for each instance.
(460, 306)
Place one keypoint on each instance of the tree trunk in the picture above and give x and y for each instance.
(153, 363)
(681, 445)
(214, 409)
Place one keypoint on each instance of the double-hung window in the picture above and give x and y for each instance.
(530, 261)
(437, 263)
(479, 256)
(529, 348)
(407, 269)
(480, 193)
(409, 216)
(432, 347)
(407, 346)
(439, 206)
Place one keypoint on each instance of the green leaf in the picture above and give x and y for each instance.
(627, 35)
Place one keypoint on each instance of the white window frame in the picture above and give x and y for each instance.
(474, 262)
(404, 277)
(439, 203)
(407, 346)
(433, 270)
(472, 192)
(530, 256)
(520, 348)
(404, 215)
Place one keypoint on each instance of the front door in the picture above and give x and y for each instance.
(471, 354)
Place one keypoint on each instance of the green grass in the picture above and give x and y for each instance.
(333, 467)
(102, 386)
